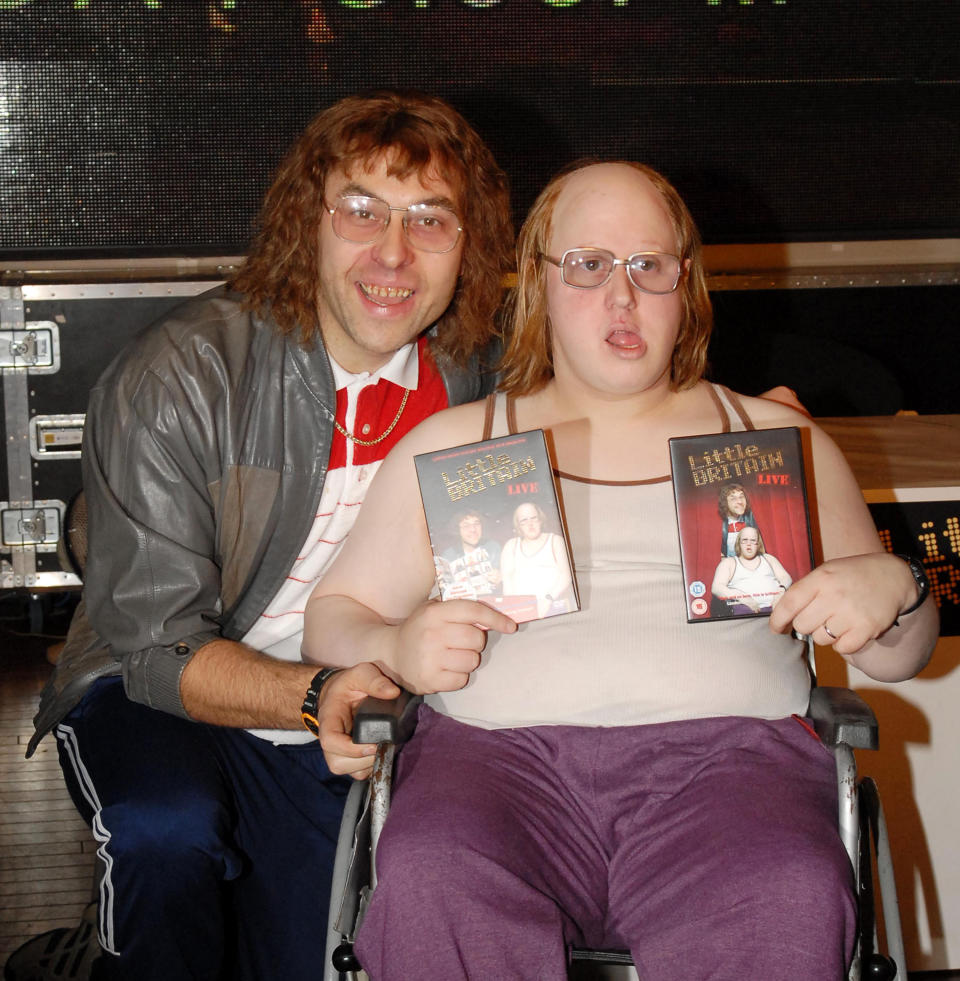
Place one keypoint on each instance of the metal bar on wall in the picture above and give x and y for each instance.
(748, 266)
(16, 432)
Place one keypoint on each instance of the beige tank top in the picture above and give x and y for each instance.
(629, 657)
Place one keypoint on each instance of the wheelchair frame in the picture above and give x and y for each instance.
(843, 721)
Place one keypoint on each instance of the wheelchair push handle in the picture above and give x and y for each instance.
(842, 716)
(386, 720)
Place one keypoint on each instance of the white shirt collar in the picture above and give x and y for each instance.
(402, 369)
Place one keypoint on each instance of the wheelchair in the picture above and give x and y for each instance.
(842, 720)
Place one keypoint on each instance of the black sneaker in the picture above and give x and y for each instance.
(64, 954)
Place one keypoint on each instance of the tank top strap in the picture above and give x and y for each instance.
(495, 416)
(728, 404)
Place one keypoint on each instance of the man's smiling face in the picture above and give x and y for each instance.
(375, 298)
(737, 503)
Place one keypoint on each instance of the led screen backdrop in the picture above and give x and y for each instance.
(153, 125)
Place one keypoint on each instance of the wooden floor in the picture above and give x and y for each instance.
(46, 851)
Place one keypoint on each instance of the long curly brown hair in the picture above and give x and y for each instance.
(416, 134)
(527, 364)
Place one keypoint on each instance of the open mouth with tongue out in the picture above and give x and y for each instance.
(384, 296)
(626, 340)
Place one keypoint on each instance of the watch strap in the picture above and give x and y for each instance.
(919, 577)
(311, 701)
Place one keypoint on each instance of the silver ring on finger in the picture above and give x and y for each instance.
(829, 632)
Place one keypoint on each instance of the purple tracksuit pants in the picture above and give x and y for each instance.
(708, 848)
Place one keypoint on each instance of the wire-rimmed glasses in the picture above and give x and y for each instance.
(362, 219)
(586, 269)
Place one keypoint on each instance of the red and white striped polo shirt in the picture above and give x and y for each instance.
(366, 405)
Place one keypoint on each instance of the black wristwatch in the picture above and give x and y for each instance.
(308, 711)
(920, 577)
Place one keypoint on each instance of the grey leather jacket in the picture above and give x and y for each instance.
(204, 451)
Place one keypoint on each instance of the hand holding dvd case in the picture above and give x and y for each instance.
(743, 518)
(495, 526)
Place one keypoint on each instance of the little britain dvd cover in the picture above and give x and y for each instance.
(495, 526)
(743, 518)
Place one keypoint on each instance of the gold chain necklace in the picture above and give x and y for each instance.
(340, 429)
(384, 434)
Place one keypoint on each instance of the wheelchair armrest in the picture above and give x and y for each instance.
(842, 716)
(381, 720)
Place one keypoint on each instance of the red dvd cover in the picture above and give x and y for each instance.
(744, 520)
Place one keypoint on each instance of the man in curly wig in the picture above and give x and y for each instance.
(225, 455)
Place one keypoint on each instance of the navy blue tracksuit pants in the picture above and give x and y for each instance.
(217, 845)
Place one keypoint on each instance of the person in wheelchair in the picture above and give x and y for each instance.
(614, 777)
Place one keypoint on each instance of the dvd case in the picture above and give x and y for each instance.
(744, 520)
(496, 528)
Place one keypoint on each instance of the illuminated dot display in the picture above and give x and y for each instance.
(928, 539)
(931, 531)
(952, 534)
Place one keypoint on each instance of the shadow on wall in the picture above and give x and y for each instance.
(922, 872)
